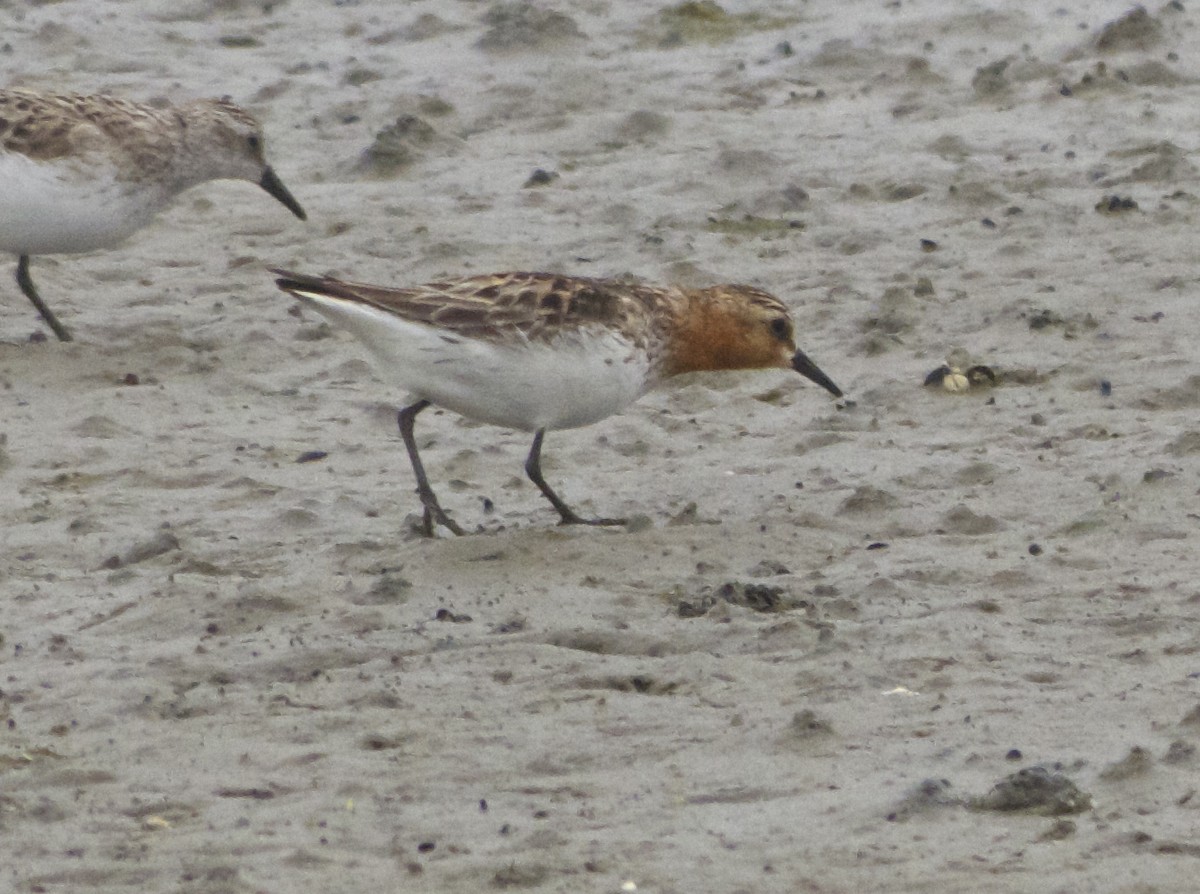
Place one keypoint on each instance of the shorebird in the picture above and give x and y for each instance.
(83, 172)
(540, 351)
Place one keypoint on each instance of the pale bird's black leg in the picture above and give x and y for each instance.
(433, 511)
(26, 284)
(533, 468)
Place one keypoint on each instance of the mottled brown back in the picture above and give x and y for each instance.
(493, 305)
(49, 126)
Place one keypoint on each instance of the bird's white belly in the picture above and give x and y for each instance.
(568, 382)
(538, 386)
(64, 206)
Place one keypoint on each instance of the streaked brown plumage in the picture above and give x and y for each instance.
(82, 172)
(541, 351)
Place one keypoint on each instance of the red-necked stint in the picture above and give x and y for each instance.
(540, 351)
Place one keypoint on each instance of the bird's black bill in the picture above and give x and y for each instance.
(808, 369)
(273, 185)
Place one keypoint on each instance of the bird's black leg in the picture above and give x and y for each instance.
(533, 468)
(26, 284)
(433, 511)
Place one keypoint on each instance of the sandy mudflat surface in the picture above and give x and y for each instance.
(831, 633)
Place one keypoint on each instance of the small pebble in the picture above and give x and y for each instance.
(541, 177)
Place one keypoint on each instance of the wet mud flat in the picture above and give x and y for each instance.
(938, 640)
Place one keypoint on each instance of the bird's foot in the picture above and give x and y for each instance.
(570, 518)
(434, 514)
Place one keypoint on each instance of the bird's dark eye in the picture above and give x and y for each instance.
(781, 328)
(254, 143)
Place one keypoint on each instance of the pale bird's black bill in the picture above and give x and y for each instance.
(808, 369)
(272, 184)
